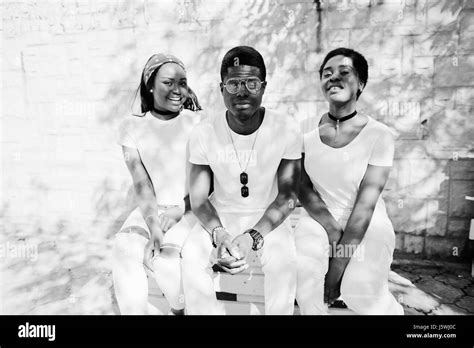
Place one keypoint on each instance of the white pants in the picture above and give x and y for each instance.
(278, 259)
(129, 275)
(364, 286)
(312, 244)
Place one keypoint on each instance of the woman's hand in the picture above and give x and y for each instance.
(170, 217)
(332, 285)
(152, 249)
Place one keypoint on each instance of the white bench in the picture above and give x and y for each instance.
(242, 294)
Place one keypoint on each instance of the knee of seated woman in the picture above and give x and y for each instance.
(130, 244)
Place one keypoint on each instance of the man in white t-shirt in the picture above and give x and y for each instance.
(253, 154)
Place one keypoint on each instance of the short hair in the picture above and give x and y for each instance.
(358, 60)
(243, 55)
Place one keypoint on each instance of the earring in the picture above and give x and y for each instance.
(151, 91)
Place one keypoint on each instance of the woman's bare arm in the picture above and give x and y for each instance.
(316, 207)
(144, 192)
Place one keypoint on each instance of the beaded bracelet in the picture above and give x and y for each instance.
(213, 234)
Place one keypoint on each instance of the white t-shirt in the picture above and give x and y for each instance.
(162, 148)
(277, 138)
(337, 173)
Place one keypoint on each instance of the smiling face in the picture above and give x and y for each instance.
(339, 80)
(170, 88)
(243, 104)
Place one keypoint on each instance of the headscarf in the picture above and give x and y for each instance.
(156, 61)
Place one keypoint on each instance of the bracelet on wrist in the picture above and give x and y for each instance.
(214, 234)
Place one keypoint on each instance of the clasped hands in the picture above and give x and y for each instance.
(232, 253)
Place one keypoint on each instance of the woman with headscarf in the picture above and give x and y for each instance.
(154, 146)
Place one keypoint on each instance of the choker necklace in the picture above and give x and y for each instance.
(244, 178)
(340, 120)
(164, 113)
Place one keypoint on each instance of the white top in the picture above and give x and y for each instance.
(162, 148)
(337, 173)
(277, 138)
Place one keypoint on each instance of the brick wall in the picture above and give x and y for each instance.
(70, 68)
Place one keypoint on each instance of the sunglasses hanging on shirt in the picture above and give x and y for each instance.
(244, 190)
(244, 178)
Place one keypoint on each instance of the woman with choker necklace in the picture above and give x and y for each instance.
(347, 161)
(154, 147)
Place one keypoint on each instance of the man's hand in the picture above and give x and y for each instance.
(332, 285)
(229, 257)
(244, 243)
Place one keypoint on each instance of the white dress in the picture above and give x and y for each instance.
(336, 173)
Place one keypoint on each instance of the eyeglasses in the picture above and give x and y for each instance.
(244, 179)
(253, 85)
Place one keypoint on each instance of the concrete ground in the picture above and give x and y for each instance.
(71, 275)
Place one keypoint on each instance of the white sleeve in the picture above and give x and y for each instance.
(383, 150)
(197, 147)
(294, 140)
(124, 137)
